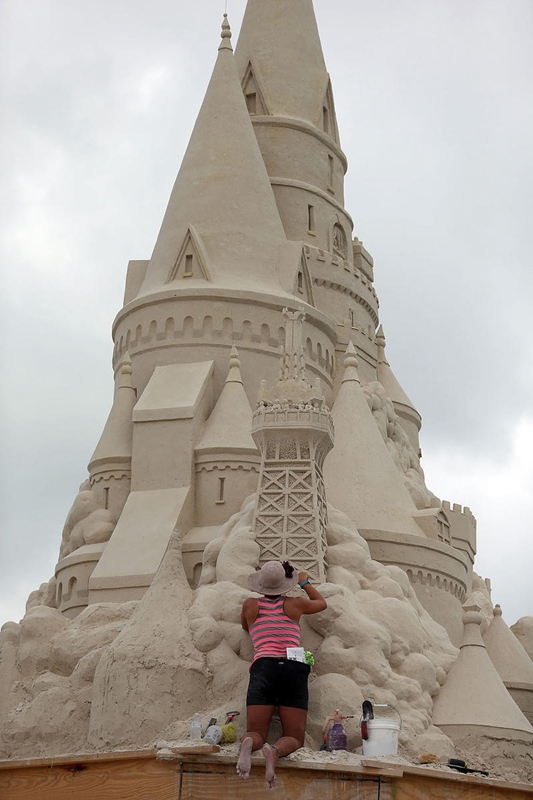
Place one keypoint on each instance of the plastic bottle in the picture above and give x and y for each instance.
(213, 735)
(196, 726)
(337, 739)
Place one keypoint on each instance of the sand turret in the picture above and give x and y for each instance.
(363, 481)
(361, 477)
(110, 464)
(221, 225)
(100, 501)
(290, 100)
(222, 268)
(410, 419)
(280, 40)
(512, 663)
(229, 424)
(474, 699)
(226, 466)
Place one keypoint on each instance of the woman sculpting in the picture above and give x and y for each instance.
(273, 622)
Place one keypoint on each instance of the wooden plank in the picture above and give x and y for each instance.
(390, 770)
(81, 758)
(470, 778)
(177, 753)
(445, 774)
(125, 777)
(207, 782)
(422, 787)
(142, 779)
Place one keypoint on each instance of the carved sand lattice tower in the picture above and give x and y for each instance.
(293, 430)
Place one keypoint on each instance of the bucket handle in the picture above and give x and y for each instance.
(385, 705)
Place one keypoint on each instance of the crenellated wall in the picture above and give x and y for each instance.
(112, 487)
(72, 578)
(342, 291)
(171, 328)
(463, 527)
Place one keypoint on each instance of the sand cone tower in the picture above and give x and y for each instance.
(110, 465)
(222, 269)
(474, 698)
(361, 477)
(512, 663)
(226, 467)
(410, 418)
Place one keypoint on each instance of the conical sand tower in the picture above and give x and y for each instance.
(474, 697)
(512, 663)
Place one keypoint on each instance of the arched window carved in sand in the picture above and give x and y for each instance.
(340, 243)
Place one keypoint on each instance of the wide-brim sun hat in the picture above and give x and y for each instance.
(272, 578)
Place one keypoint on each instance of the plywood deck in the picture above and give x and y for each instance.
(142, 776)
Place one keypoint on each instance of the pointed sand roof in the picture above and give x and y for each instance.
(361, 477)
(387, 377)
(280, 39)
(230, 423)
(506, 653)
(115, 443)
(223, 192)
(474, 694)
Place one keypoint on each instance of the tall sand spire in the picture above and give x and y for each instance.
(222, 204)
(279, 40)
(410, 418)
(360, 475)
(290, 101)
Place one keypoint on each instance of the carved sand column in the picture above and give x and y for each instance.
(293, 430)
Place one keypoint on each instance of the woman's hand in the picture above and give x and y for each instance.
(312, 604)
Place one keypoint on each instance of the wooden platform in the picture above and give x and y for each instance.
(141, 776)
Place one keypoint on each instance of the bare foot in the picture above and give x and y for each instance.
(245, 758)
(271, 756)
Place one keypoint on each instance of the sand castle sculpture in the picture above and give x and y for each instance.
(256, 416)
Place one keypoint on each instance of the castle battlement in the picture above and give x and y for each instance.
(333, 272)
(463, 527)
(175, 328)
(302, 415)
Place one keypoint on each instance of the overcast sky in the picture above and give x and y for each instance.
(434, 103)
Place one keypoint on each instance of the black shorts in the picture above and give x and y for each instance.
(278, 682)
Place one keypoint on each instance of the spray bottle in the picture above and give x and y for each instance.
(336, 737)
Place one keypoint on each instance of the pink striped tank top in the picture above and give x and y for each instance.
(273, 631)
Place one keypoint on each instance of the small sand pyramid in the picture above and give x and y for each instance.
(512, 663)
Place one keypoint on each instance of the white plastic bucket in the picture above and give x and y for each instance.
(382, 737)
